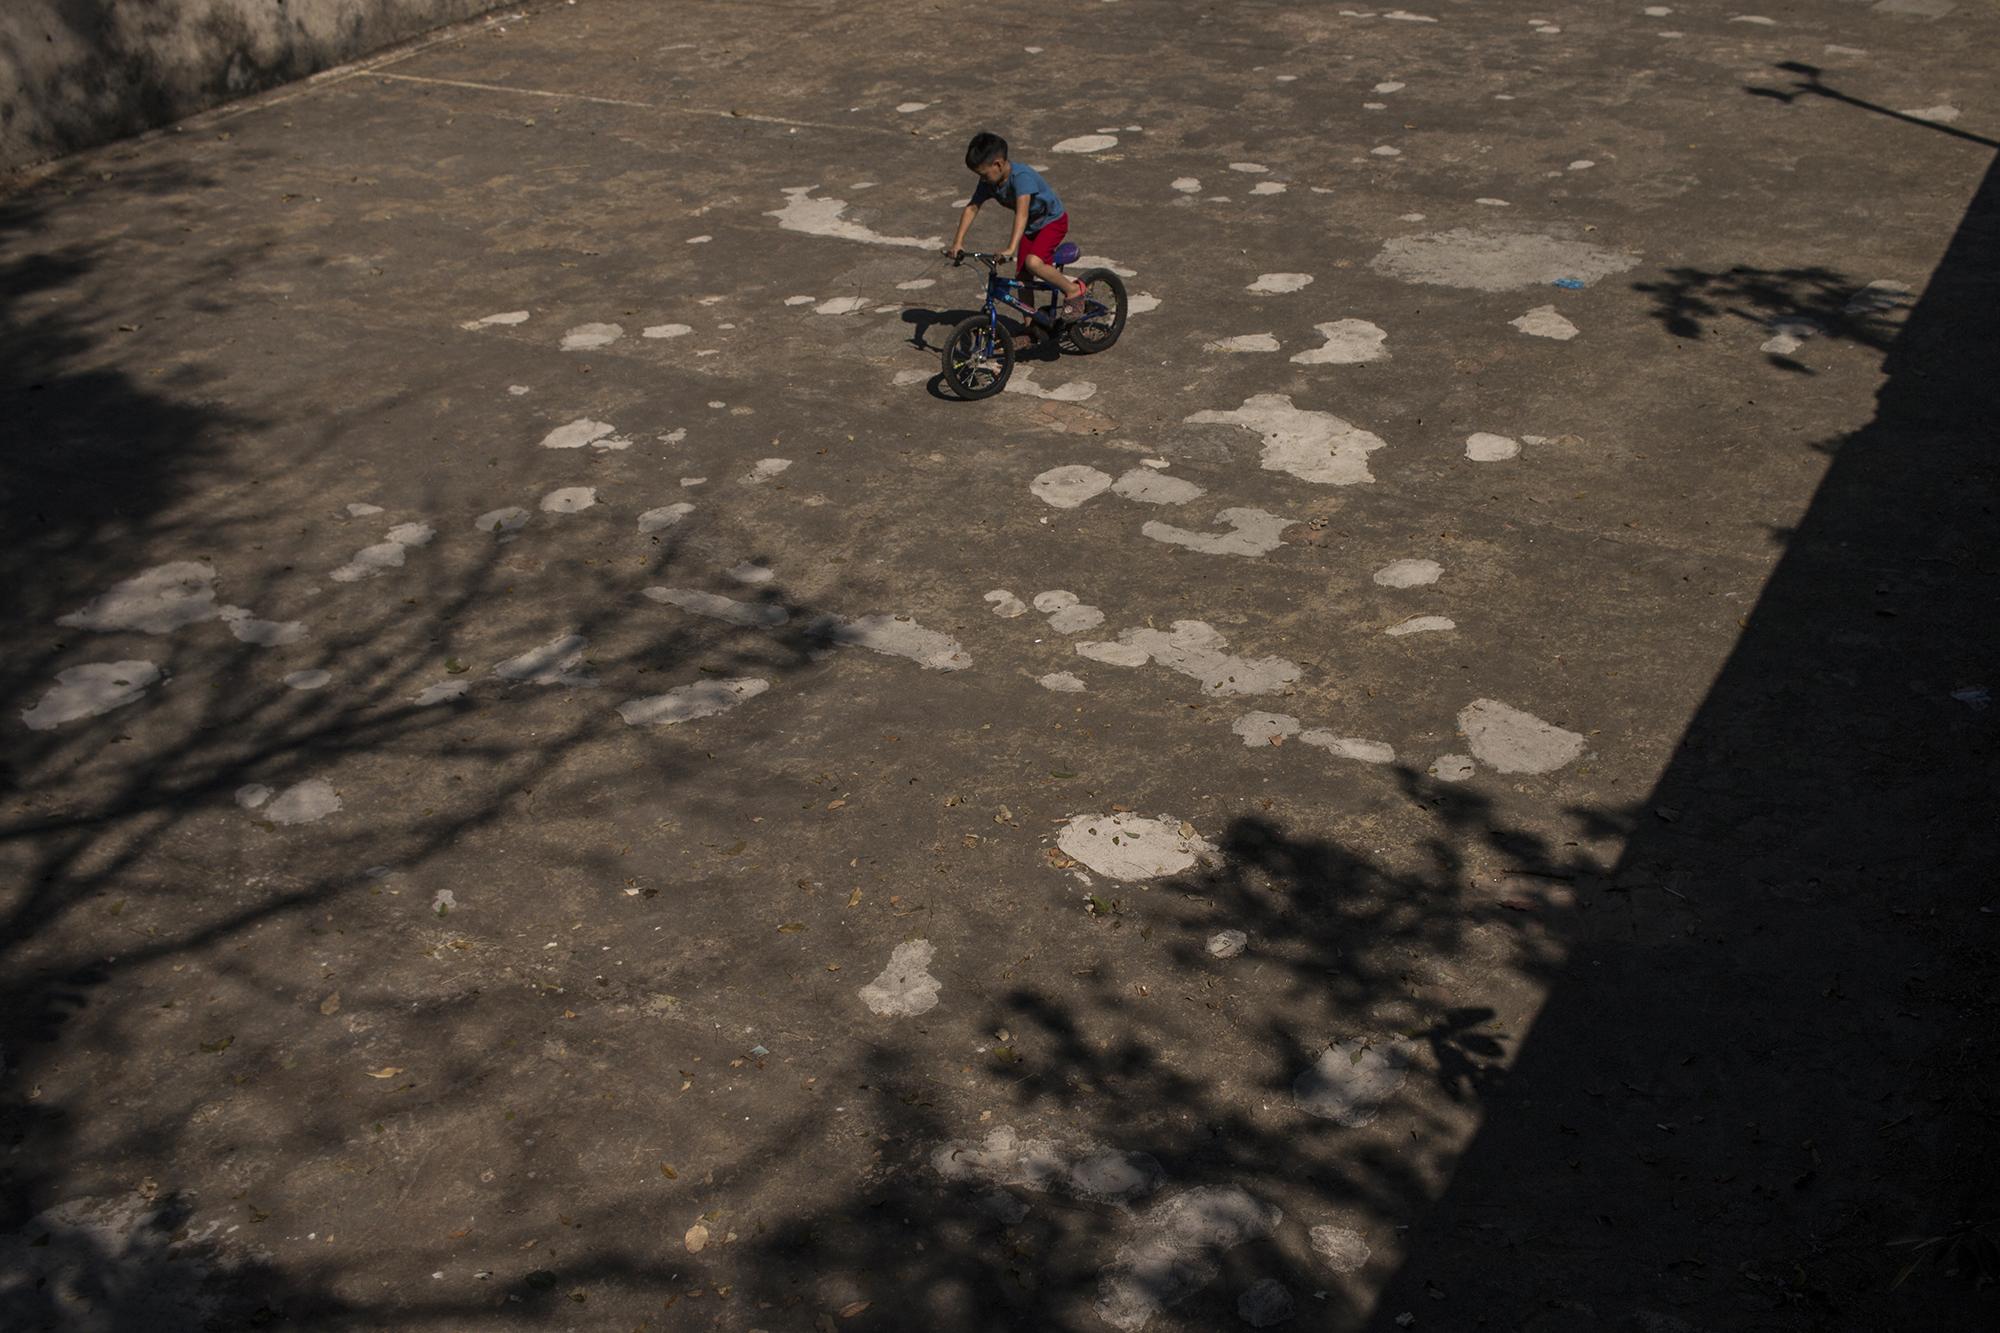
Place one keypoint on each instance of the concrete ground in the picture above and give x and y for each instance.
(553, 780)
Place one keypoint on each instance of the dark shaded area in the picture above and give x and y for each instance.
(74, 73)
(127, 823)
(1774, 1050)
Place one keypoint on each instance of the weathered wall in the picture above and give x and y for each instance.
(80, 72)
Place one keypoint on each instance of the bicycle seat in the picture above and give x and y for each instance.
(1066, 253)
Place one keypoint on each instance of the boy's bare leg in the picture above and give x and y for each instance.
(1041, 268)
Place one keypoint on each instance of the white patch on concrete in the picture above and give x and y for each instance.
(1132, 847)
(1452, 768)
(1187, 184)
(359, 510)
(686, 703)
(569, 500)
(1489, 261)
(1245, 342)
(313, 678)
(1483, 447)
(1881, 294)
(667, 331)
(1275, 284)
(1313, 446)
(1249, 168)
(1194, 648)
(1544, 321)
(1055, 599)
(1145, 485)
(369, 561)
(1408, 573)
(703, 239)
(502, 523)
(519, 390)
(1490, 202)
(765, 469)
(306, 802)
(578, 433)
(1252, 533)
(1142, 303)
(159, 600)
(1788, 334)
(905, 988)
(758, 615)
(1068, 486)
(1389, 86)
(1269, 187)
(1075, 619)
(694, 481)
(252, 795)
(905, 378)
(1227, 944)
(1004, 1158)
(841, 305)
(490, 321)
(800, 300)
(1512, 741)
(1062, 682)
(1100, 261)
(907, 108)
(1182, 1241)
(1386, 150)
(1404, 16)
(556, 662)
(916, 285)
(1344, 1250)
(1073, 392)
(1758, 19)
(1349, 342)
(1086, 143)
(586, 336)
(1005, 604)
(1261, 729)
(1420, 625)
(821, 217)
(90, 690)
(1353, 1079)
(1657, 11)
(1582, 164)
(1411, 217)
(442, 692)
(1350, 747)
(749, 573)
(654, 520)
(900, 636)
(263, 633)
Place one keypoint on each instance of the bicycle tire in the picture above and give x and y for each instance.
(981, 366)
(1104, 322)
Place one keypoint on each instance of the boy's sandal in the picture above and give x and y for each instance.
(1076, 304)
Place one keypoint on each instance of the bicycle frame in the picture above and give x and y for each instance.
(1005, 291)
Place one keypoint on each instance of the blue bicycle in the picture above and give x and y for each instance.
(979, 354)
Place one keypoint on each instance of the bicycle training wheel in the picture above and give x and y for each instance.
(1103, 317)
(978, 358)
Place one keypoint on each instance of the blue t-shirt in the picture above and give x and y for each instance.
(1044, 204)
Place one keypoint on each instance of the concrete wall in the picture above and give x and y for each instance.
(80, 72)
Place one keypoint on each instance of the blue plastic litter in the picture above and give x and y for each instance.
(1568, 284)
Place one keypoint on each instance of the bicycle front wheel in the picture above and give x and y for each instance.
(978, 358)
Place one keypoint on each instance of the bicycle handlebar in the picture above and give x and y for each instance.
(991, 261)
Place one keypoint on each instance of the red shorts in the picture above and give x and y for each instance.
(1043, 243)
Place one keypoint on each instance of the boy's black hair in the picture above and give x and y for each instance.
(984, 148)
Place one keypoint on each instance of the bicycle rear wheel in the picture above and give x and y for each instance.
(978, 358)
(1103, 318)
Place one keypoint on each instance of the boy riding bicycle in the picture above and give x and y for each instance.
(1039, 220)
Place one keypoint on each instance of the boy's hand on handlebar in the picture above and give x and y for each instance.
(1005, 256)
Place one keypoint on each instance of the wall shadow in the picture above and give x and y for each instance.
(1773, 1052)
